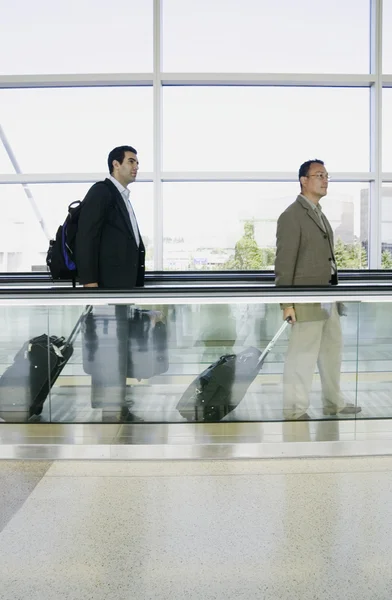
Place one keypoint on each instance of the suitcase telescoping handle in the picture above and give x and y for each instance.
(273, 342)
(78, 325)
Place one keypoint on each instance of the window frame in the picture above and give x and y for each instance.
(375, 81)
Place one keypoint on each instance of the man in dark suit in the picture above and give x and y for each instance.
(110, 254)
(305, 256)
(109, 249)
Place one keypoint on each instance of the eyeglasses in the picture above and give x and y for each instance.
(320, 176)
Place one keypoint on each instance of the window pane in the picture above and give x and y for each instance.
(22, 239)
(386, 226)
(265, 128)
(5, 163)
(77, 36)
(386, 37)
(283, 36)
(201, 232)
(387, 128)
(73, 130)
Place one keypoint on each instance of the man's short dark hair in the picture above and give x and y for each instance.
(304, 168)
(118, 154)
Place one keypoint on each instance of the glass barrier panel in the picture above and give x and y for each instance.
(142, 364)
(374, 370)
(150, 363)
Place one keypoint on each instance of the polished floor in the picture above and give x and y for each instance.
(141, 441)
(288, 529)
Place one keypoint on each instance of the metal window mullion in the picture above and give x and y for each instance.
(21, 178)
(375, 204)
(74, 81)
(268, 79)
(186, 176)
(257, 176)
(147, 79)
(157, 138)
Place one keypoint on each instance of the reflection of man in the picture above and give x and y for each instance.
(305, 256)
(217, 330)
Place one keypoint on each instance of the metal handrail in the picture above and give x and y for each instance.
(176, 277)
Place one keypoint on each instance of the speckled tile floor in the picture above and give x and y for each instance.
(295, 529)
(17, 481)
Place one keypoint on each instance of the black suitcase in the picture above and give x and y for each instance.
(25, 385)
(220, 388)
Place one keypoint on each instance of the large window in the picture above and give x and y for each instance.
(387, 128)
(387, 40)
(223, 106)
(72, 129)
(32, 218)
(265, 128)
(76, 36)
(210, 226)
(253, 36)
(5, 163)
(386, 226)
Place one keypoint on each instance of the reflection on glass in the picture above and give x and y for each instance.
(122, 342)
(263, 36)
(154, 353)
(250, 212)
(316, 338)
(374, 354)
(265, 128)
(24, 362)
(72, 130)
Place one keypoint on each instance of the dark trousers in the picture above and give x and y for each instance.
(105, 356)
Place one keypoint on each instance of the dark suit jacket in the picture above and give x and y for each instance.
(304, 252)
(105, 248)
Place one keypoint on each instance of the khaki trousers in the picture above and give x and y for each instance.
(313, 342)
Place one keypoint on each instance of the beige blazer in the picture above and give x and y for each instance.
(304, 252)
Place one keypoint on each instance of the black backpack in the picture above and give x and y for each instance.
(60, 257)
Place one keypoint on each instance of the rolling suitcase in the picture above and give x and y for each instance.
(220, 388)
(25, 385)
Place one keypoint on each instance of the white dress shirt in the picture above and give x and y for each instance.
(125, 196)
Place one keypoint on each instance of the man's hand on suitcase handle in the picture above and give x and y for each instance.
(289, 314)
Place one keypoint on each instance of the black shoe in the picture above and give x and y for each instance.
(126, 416)
(34, 419)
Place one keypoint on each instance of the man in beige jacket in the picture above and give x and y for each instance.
(305, 256)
